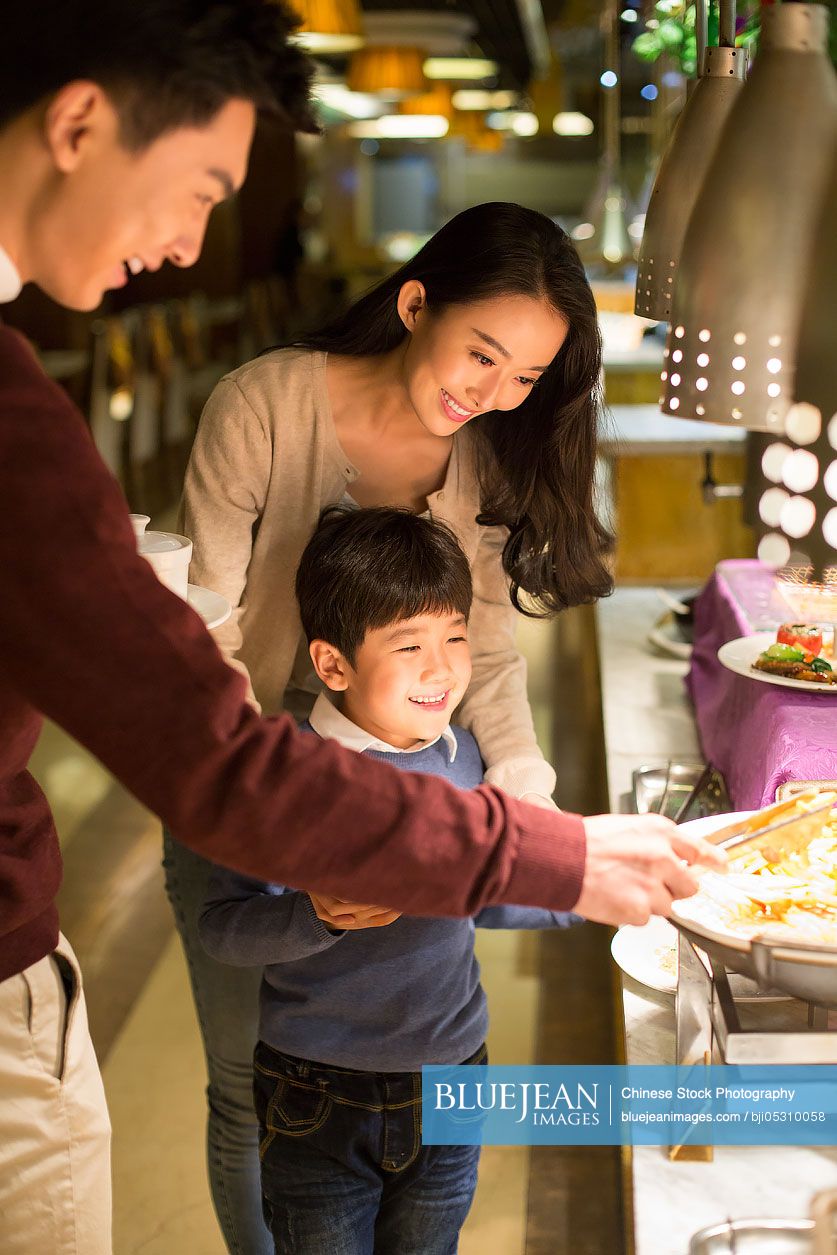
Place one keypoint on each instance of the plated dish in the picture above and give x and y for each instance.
(741, 655)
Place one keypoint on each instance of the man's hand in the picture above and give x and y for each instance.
(637, 866)
(339, 914)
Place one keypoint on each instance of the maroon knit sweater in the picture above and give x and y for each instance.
(91, 639)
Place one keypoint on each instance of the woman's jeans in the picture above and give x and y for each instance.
(343, 1168)
(227, 1002)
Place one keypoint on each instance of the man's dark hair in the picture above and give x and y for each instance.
(165, 63)
(365, 569)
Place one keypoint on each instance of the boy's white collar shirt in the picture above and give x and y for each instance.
(330, 723)
(10, 283)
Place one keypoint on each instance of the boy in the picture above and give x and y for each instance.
(355, 997)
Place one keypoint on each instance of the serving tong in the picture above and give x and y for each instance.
(775, 833)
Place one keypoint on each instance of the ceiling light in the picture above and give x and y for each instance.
(328, 26)
(572, 124)
(460, 69)
(436, 102)
(393, 72)
(519, 121)
(609, 79)
(338, 98)
(747, 247)
(401, 126)
(474, 98)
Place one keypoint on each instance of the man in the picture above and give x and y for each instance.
(122, 123)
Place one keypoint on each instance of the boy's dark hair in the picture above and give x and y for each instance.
(165, 63)
(367, 568)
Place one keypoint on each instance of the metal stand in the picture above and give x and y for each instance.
(709, 1026)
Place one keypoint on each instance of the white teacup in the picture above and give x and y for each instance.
(168, 554)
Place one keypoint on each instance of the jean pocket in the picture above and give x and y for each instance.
(297, 1109)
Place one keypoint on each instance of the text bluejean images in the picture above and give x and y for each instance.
(635, 1105)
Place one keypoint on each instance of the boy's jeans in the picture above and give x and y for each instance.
(343, 1167)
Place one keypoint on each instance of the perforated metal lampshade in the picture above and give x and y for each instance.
(732, 343)
(800, 504)
(680, 176)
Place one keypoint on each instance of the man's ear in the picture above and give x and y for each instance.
(75, 113)
(412, 299)
(330, 665)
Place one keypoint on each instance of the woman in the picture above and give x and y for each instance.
(465, 384)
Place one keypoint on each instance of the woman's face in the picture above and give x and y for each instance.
(472, 358)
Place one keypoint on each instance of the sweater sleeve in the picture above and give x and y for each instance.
(224, 495)
(248, 923)
(90, 637)
(496, 706)
(524, 917)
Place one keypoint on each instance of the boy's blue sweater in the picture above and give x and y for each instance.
(378, 999)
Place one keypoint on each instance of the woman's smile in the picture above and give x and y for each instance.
(452, 409)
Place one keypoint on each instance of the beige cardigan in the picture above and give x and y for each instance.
(266, 461)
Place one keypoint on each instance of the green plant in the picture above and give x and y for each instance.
(672, 30)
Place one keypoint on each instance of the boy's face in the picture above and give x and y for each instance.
(104, 205)
(408, 678)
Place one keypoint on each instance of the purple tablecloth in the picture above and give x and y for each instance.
(758, 735)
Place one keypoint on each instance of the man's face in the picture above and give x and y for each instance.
(408, 678)
(106, 207)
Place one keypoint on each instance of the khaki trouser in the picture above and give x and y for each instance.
(55, 1194)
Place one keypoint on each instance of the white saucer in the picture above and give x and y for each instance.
(739, 656)
(212, 607)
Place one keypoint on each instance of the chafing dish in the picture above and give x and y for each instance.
(773, 1237)
(806, 971)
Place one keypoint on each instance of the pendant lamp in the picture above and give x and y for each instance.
(684, 166)
(436, 101)
(329, 26)
(730, 355)
(393, 72)
(607, 247)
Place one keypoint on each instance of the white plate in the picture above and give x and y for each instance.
(739, 656)
(665, 637)
(212, 607)
(648, 954)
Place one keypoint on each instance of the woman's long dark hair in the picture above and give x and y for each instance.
(536, 462)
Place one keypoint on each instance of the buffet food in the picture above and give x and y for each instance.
(797, 654)
(784, 890)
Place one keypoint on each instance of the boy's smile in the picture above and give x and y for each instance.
(407, 679)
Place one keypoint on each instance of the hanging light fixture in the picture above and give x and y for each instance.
(461, 69)
(547, 96)
(686, 161)
(470, 126)
(436, 102)
(731, 347)
(394, 73)
(401, 126)
(329, 26)
(800, 505)
(602, 239)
